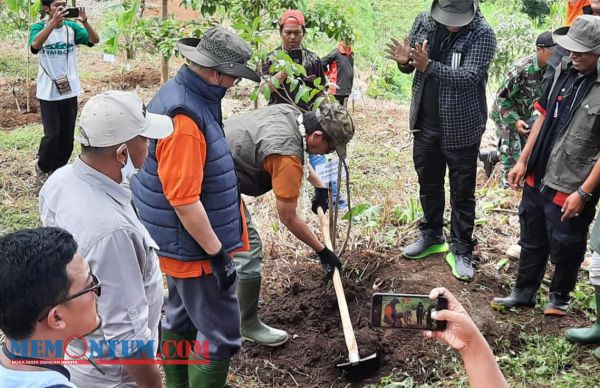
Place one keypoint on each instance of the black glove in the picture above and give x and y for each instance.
(329, 261)
(320, 200)
(223, 269)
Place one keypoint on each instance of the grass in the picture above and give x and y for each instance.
(18, 202)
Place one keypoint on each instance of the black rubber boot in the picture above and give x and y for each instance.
(563, 282)
(489, 159)
(529, 278)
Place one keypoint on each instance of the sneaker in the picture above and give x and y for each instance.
(514, 251)
(461, 265)
(425, 246)
(489, 159)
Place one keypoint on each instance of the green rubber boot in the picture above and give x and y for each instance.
(588, 335)
(210, 375)
(176, 375)
(253, 329)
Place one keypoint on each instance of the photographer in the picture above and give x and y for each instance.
(55, 39)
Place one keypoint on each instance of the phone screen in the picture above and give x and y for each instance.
(405, 311)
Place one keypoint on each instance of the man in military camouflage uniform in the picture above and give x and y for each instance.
(513, 110)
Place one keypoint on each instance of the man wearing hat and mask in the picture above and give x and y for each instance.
(187, 195)
(292, 28)
(268, 147)
(87, 199)
(561, 170)
(450, 49)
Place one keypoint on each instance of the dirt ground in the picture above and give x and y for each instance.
(136, 79)
(300, 304)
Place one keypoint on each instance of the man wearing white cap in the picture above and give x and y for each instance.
(561, 167)
(87, 199)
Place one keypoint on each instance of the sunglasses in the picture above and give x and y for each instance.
(94, 287)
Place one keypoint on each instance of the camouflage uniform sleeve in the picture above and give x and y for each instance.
(503, 112)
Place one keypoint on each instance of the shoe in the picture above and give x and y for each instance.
(525, 298)
(558, 305)
(529, 278)
(514, 251)
(587, 335)
(461, 264)
(425, 246)
(40, 177)
(489, 159)
(253, 329)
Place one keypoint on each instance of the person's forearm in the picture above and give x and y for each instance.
(41, 37)
(314, 178)
(593, 179)
(481, 366)
(303, 233)
(145, 376)
(196, 223)
(93, 35)
(537, 126)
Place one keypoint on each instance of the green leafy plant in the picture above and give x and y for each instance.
(515, 38)
(584, 298)
(409, 213)
(18, 13)
(122, 31)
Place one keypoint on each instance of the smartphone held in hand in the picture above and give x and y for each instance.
(72, 13)
(406, 311)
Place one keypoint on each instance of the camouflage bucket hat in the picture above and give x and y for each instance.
(338, 125)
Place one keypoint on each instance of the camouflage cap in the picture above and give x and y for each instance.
(338, 125)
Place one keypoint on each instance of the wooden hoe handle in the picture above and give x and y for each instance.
(339, 292)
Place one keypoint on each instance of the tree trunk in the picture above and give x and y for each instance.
(164, 64)
(142, 8)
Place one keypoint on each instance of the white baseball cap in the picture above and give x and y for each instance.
(115, 117)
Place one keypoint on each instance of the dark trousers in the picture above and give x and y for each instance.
(341, 98)
(543, 234)
(431, 161)
(58, 118)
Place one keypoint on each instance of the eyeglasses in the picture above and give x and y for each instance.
(94, 287)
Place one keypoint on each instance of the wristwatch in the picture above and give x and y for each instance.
(587, 197)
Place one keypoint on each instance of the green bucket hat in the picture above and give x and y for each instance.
(222, 50)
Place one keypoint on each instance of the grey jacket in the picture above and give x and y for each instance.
(462, 74)
(577, 149)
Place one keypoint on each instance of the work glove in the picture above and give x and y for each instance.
(320, 200)
(329, 261)
(223, 269)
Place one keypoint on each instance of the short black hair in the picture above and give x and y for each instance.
(47, 2)
(33, 276)
(98, 150)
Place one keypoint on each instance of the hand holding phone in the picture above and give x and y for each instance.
(72, 13)
(461, 330)
(407, 312)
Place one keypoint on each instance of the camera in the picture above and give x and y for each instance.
(72, 13)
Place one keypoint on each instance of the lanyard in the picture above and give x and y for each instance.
(54, 367)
